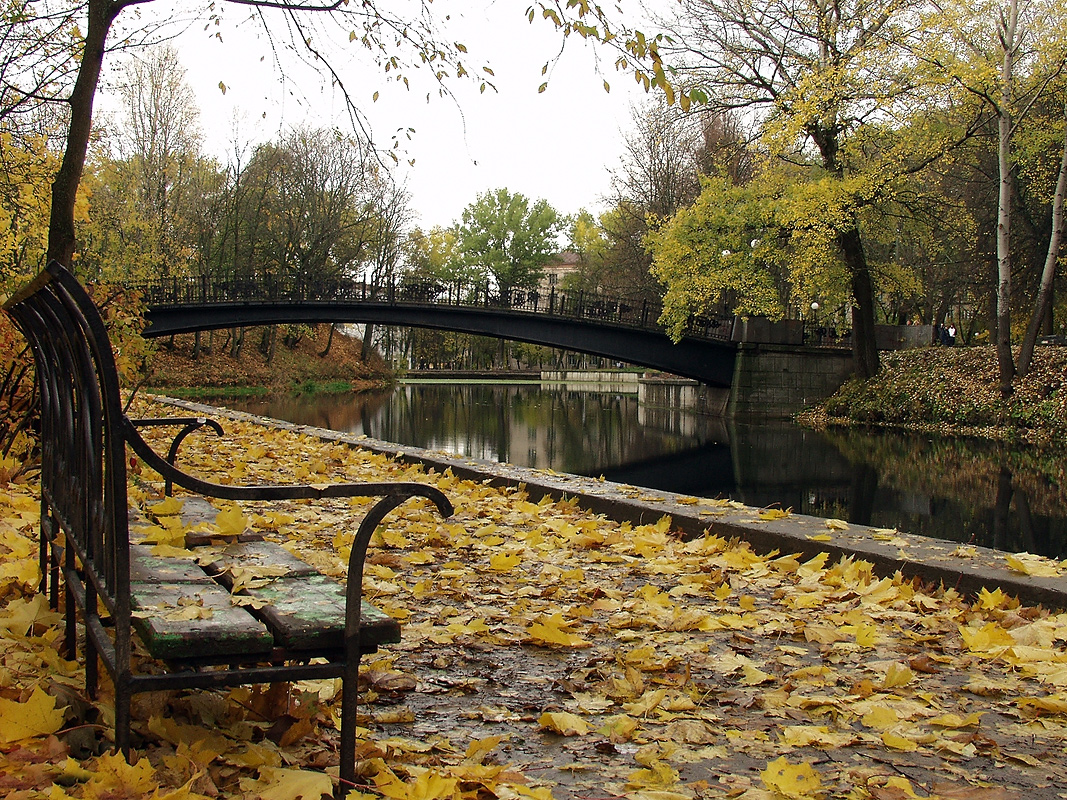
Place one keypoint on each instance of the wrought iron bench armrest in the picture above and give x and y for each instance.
(190, 425)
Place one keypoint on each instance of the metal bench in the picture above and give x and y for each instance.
(302, 625)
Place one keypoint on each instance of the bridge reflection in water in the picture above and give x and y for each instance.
(953, 490)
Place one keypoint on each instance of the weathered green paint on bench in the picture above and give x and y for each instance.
(229, 630)
(308, 613)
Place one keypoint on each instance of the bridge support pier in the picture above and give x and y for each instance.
(775, 381)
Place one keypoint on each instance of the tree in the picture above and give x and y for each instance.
(25, 169)
(659, 174)
(38, 58)
(1043, 302)
(509, 239)
(435, 254)
(816, 76)
(322, 207)
(1007, 55)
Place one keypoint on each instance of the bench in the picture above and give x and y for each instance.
(301, 625)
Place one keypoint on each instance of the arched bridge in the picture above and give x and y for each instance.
(614, 328)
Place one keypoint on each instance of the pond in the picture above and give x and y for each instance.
(967, 491)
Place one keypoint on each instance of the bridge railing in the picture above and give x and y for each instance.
(595, 307)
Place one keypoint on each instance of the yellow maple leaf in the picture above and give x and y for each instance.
(657, 775)
(619, 728)
(553, 631)
(38, 716)
(956, 721)
(770, 514)
(991, 600)
(276, 783)
(504, 562)
(1034, 706)
(478, 749)
(753, 676)
(795, 781)
(880, 717)
(22, 614)
(113, 777)
(989, 637)
(866, 633)
(837, 524)
(646, 703)
(897, 675)
(184, 792)
(564, 723)
(894, 741)
(1033, 565)
(231, 521)
(816, 736)
(167, 507)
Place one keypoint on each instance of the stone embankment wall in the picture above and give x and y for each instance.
(774, 381)
(769, 381)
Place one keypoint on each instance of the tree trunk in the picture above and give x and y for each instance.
(238, 341)
(272, 343)
(864, 347)
(1043, 304)
(368, 349)
(329, 342)
(101, 13)
(1005, 361)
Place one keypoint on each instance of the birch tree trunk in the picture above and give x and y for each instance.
(1048, 274)
(1005, 361)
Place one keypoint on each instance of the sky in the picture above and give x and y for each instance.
(558, 145)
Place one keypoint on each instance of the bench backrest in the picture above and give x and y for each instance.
(83, 454)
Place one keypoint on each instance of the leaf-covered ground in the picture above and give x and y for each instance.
(550, 652)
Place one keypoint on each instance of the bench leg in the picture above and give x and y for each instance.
(349, 705)
(122, 716)
(70, 611)
(92, 666)
(45, 561)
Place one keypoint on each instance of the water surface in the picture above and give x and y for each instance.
(964, 491)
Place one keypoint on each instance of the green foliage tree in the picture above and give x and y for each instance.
(818, 78)
(508, 239)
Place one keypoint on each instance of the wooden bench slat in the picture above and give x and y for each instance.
(229, 630)
(148, 568)
(252, 556)
(308, 613)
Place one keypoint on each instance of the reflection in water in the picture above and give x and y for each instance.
(951, 489)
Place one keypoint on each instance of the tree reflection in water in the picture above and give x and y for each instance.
(961, 490)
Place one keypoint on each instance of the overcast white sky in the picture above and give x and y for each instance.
(557, 145)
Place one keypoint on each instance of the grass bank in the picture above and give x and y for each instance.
(954, 391)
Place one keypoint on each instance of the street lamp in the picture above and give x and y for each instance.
(815, 320)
